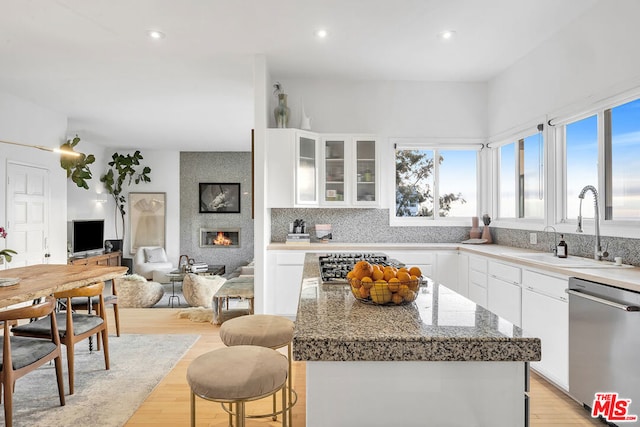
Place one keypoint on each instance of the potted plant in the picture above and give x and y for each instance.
(77, 167)
(5, 253)
(124, 169)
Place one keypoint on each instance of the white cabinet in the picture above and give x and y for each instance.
(504, 292)
(280, 168)
(447, 269)
(463, 274)
(545, 314)
(478, 280)
(349, 171)
(284, 278)
(292, 168)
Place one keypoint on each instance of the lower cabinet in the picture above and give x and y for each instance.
(504, 292)
(545, 314)
(478, 280)
(283, 282)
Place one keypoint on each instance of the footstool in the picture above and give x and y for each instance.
(236, 375)
(263, 330)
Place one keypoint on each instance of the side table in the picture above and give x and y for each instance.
(233, 288)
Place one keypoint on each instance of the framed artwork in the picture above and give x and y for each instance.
(219, 197)
(147, 219)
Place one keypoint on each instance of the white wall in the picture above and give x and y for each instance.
(388, 109)
(81, 203)
(593, 58)
(165, 178)
(25, 122)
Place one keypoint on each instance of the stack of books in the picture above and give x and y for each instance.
(298, 239)
(199, 267)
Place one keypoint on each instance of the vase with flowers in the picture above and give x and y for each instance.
(5, 253)
(281, 112)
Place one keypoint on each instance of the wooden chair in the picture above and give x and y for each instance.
(81, 325)
(112, 300)
(21, 355)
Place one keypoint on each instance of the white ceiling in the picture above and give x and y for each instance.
(92, 60)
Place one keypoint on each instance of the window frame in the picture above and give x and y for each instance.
(435, 144)
(608, 227)
(494, 164)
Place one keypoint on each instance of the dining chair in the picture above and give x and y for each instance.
(74, 327)
(21, 355)
(109, 300)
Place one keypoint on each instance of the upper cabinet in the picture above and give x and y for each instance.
(306, 169)
(349, 171)
(366, 172)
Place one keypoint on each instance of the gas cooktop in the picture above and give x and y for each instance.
(334, 267)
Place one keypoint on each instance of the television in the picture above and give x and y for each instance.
(86, 236)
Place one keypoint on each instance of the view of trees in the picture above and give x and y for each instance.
(414, 185)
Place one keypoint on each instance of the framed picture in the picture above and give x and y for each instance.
(219, 197)
(147, 216)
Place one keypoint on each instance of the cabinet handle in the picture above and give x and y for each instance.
(593, 298)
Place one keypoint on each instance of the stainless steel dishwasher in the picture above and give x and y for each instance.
(604, 343)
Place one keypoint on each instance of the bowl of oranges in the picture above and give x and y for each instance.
(384, 285)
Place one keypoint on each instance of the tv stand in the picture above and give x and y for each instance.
(113, 259)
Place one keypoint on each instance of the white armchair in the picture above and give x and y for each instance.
(149, 259)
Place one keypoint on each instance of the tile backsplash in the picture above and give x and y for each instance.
(372, 226)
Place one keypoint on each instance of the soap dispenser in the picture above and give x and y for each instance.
(562, 249)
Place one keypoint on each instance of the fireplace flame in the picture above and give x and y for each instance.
(222, 240)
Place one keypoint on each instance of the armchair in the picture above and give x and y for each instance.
(149, 259)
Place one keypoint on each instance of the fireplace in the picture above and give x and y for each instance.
(219, 237)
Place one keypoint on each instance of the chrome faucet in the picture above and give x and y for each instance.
(553, 249)
(598, 252)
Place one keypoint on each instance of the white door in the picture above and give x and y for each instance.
(27, 213)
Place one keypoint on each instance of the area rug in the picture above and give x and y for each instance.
(102, 398)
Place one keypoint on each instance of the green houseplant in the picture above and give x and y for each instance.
(5, 253)
(123, 170)
(77, 167)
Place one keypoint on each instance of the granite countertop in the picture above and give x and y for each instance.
(440, 325)
(625, 278)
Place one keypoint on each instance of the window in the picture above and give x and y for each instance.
(436, 183)
(521, 173)
(581, 152)
(620, 160)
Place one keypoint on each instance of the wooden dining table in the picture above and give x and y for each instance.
(40, 280)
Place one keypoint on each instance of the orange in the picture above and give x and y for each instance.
(394, 284)
(415, 271)
(403, 276)
(414, 284)
(350, 275)
(364, 292)
(389, 274)
(403, 291)
(377, 274)
(362, 269)
(396, 298)
(410, 296)
(367, 282)
(355, 283)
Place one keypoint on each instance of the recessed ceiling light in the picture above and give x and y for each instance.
(321, 34)
(155, 34)
(447, 35)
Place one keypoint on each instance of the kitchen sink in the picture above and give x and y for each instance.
(569, 262)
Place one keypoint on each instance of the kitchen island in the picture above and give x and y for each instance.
(439, 361)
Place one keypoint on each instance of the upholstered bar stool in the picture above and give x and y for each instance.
(236, 375)
(263, 330)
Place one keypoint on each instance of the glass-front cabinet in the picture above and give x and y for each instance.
(335, 189)
(366, 172)
(306, 168)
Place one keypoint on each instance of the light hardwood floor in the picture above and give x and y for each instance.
(168, 404)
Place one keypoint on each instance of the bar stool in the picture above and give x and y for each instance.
(263, 330)
(236, 375)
